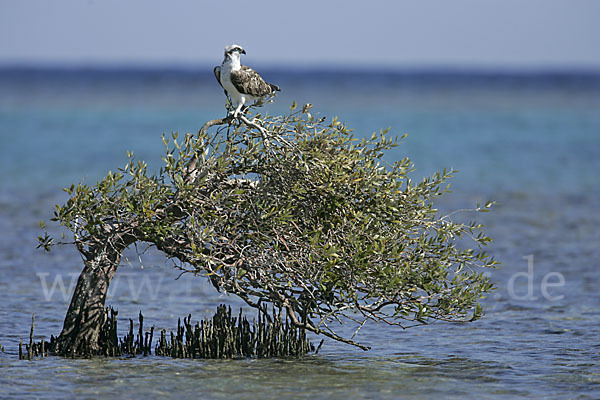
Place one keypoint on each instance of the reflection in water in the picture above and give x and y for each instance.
(311, 377)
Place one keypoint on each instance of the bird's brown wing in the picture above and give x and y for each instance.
(248, 81)
(217, 72)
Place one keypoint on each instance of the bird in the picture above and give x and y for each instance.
(241, 83)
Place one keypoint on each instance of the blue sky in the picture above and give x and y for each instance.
(431, 33)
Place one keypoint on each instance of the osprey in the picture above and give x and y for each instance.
(240, 82)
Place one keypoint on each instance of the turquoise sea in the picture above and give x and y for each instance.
(530, 141)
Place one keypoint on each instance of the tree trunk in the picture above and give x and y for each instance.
(86, 314)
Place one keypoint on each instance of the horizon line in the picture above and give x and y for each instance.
(437, 68)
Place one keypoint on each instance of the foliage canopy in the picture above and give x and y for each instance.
(300, 214)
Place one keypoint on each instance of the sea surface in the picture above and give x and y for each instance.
(530, 141)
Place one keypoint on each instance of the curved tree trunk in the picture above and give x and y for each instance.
(86, 314)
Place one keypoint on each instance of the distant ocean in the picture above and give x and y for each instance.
(530, 141)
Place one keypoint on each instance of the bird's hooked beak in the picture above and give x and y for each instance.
(242, 51)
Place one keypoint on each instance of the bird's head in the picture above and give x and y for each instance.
(234, 51)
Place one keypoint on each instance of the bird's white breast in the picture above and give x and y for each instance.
(236, 97)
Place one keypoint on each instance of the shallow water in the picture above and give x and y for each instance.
(531, 143)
